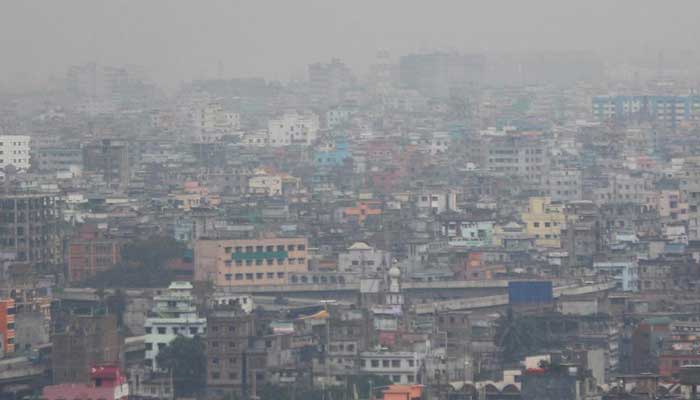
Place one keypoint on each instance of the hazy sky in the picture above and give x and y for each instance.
(181, 39)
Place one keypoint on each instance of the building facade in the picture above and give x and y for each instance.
(263, 261)
(29, 227)
(14, 150)
(293, 128)
(90, 253)
(7, 325)
(110, 158)
(174, 314)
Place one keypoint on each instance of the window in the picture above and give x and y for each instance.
(193, 330)
(149, 346)
(215, 375)
(395, 363)
(396, 378)
(161, 331)
(214, 360)
(161, 346)
(259, 275)
(270, 275)
(301, 247)
(536, 224)
(385, 363)
(375, 363)
(411, 363)
(280, 275)
(290, 247)
(149, 330)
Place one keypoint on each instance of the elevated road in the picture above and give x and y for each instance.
(502, 299)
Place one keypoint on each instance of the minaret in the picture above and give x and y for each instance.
(394, 295)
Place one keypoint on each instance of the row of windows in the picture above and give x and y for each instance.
(256, 276)
(268, 261)
(388, 363)
(546, 224)
(268, 248)
(175, 330)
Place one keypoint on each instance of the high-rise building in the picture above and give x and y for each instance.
(14, 150)
(28, 228)
(437, 74)
(327, 82)
(109, 158)
(263, 261)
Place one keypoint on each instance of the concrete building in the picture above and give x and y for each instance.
(7, 325)
(15, 151)
(262, 261)
(293, 128)
(90, 253)
(398, 366)
(624, 273)
(544, 221)
(436, 200)
(364, 259)
(110, 158)
(174, 314)
(327, 81)
(523, 157)
(232, 365)
(29, 228)
(669, 111)
(55, 158)
(563, 185)
(85, 342)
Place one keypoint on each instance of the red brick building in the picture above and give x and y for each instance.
(91, 251)
(7, 325)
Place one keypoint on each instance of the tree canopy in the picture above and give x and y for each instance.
(186, 360)
(142, 265)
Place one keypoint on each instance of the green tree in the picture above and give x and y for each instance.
(185, 359)
(143, 265)
(517, 335)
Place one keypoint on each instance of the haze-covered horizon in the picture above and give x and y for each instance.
(179, 40)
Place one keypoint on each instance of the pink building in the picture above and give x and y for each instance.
(107, 383)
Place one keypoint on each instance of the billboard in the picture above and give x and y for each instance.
(530, 292)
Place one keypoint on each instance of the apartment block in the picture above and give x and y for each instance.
(7, 326)
(262, 261)
(14, 150)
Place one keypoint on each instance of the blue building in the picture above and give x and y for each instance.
(332, 156)
(669, 110)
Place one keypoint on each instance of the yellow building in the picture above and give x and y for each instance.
(248, 262)
(544, 221)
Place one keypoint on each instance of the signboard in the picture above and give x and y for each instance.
(530, 292)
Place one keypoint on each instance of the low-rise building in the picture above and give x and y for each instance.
(174, 314)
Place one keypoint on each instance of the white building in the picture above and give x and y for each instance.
(401, 367)
(338, 116)
(173, 315)
(362, 258)
(436, 201)
(14, 150)
(212, 122)
(293, 128)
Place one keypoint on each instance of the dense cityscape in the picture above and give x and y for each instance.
(440, 225)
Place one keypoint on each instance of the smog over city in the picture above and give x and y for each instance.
(349, 200)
